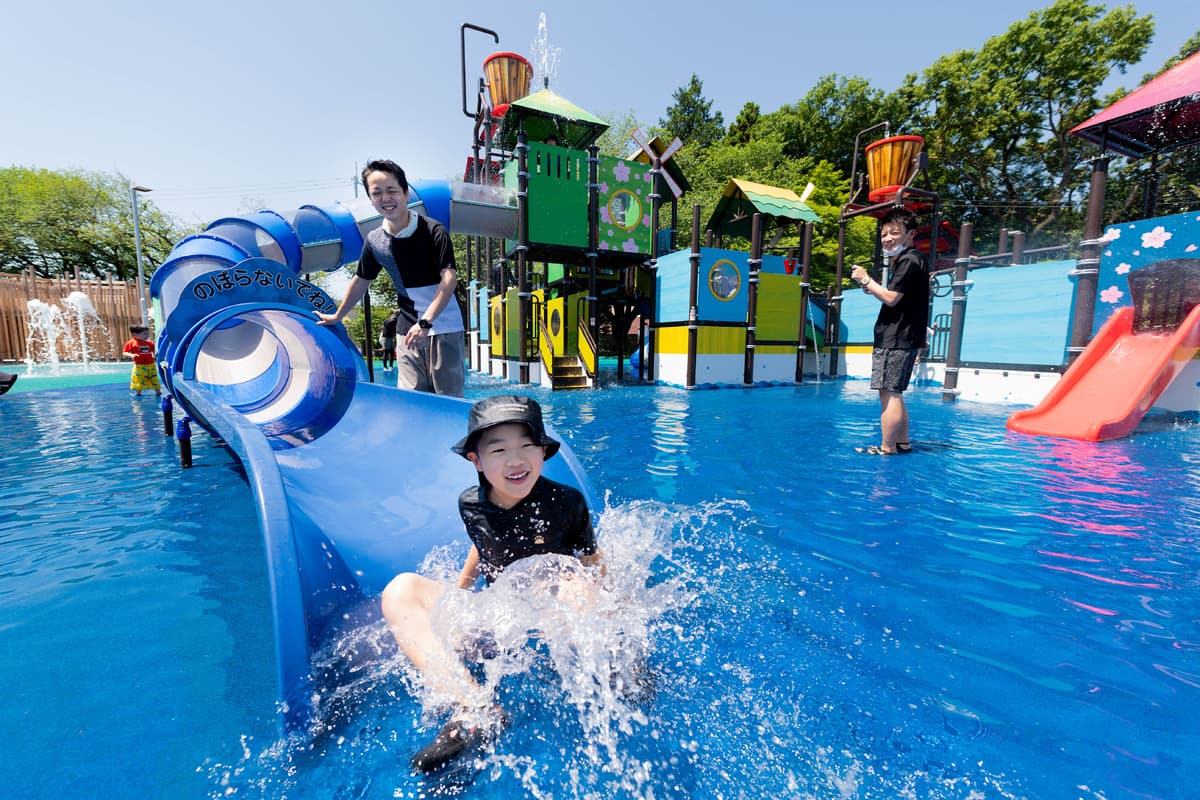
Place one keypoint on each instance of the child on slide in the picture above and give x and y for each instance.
(513, 513)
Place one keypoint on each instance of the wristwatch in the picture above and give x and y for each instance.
(424, 324)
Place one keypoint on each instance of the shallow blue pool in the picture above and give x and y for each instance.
(993, 616)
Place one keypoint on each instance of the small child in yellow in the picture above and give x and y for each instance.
(141, 349)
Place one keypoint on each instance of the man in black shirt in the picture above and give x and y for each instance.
(900, 329)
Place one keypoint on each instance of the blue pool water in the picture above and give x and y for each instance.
(994, 616)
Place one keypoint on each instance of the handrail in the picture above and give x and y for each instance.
(546, 348)
(587, 350)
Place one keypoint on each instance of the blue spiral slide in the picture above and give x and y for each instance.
(353, 482)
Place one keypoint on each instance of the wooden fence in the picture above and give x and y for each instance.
(116, 304)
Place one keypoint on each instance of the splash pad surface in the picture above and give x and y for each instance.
(997, 614)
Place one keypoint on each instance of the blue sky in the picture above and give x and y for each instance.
(222, 106)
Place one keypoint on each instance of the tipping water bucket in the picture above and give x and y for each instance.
(891, 163)
(508, 77)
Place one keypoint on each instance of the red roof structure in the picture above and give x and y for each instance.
(1161, 115)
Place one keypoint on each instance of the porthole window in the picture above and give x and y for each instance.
(625, 209)
(724, 281)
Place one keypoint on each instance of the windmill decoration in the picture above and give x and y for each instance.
(649, 153)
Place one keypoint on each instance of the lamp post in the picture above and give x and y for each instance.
(134, 189)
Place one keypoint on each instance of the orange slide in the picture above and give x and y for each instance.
(1114, 382)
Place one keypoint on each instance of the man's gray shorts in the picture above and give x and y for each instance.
(436, 364)
(891, 369)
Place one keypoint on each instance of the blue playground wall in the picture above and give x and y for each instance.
(1133, 245)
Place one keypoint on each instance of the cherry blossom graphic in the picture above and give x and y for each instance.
(621, 171)
(1157, 237)
(1123, 268)
(1191, 248)
(604, 215)
(603, 188)
(1111, 295)
(604, 245)
(629, 246)
(1111, 235)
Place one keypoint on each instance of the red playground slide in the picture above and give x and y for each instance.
(1114, 382)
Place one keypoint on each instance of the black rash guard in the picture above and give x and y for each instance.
(554, 518)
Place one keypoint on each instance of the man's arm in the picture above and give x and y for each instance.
(354, 292)
(889, 297)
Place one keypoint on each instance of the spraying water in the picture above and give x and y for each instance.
(46, 328)
(57, 335)
(83, 317)
(544, 57)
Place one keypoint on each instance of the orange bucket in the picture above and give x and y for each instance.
(891, 162)
(508, 77)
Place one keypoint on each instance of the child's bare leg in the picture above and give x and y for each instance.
(408, 603)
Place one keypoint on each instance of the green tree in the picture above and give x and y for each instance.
(824, 123)
(616, 140)
(691, 118)
(997, 121)
(742, 129)
(57, 222)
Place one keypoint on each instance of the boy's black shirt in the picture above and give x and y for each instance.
(554, 518)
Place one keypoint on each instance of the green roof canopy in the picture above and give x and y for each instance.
(741, 199)
(545, 114)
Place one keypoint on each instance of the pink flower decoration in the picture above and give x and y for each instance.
(604, 245)
(1122, 269)
(628, 246)
(603, 188)
(1190, 248)
(1156, 238)
(646, 220)
(1111, 295)
(604, 215)
(621, 171)
(1111, 235)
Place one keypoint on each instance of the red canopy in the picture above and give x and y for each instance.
(1162, 115)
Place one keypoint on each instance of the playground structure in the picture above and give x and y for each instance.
(709, 316)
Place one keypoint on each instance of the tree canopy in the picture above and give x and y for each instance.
(996, 124)
(60, 222)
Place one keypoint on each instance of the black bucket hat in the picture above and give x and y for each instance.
(492, 411)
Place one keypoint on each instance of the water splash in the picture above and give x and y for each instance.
(544, 57)
(46, 328)
(72, 333)
(81, 314)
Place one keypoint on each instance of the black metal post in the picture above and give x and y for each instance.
(958, 313)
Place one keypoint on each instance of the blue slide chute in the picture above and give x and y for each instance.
(352, 482)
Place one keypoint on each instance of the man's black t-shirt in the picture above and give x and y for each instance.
(415, 263)
(903, 326)
(554, 518)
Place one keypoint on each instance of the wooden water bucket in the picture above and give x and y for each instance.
(508, 76)
(891, 163)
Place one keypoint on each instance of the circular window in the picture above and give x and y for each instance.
(724, 280)
(555, 322)
(497, 320)
(625, 209)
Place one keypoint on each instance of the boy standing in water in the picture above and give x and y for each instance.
(511, 514)
(141, 350)
(900, 329)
